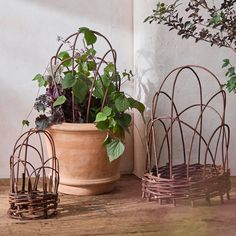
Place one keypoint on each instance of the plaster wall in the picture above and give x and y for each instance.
(29, 31)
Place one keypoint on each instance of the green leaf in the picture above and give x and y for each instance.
(111, 88)
(89, 81)
(114, 95)
(85, 66)
(82, 58)
(100, 117)
(65, 56)
(80, 90)
(216, 19)
(233, 80)
(122, 103)
(115, 149)
(25, 122)
(89, 35)
(231, 84)
(103, 125)
(41, 81)
(91, 52)
(69, 81)
(125, 120)
(136, 104)
(109, 68)
(112, 123)
(106, 80)
(118, 131)
(231, 71)
(101, 84)
(60, 100)
(226, 63)
(91, 65)
(98, 91)
(107, 111)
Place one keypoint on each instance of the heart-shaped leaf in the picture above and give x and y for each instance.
(115, 149)
(69, 81)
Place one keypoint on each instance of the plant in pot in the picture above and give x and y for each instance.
(85, 111)
(213, 22)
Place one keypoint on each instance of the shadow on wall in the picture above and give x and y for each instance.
(146, 82)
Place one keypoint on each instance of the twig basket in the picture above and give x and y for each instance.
(203, 172)
(33, 194)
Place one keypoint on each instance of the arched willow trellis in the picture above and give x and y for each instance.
(209, 176)
(71, 45)
(33, 190)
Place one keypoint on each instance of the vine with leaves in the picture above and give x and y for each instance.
(214, 23)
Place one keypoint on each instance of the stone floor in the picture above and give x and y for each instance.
(123, 212)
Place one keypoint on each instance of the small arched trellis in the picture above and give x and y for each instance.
(33, 190)
(209, 175)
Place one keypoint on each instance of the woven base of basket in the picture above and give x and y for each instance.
(203, 183)
(33, 205)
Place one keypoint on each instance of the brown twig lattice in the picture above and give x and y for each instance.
(188, 180)
(72, 41)
(33, 195)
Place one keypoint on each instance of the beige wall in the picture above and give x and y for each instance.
(29, 30)
(156, 52)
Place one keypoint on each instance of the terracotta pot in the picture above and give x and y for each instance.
(83, 162)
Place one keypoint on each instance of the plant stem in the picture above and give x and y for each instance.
(73, 68)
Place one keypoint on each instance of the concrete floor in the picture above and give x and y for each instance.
(123, 212)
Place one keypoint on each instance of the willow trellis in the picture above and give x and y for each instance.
(209, 175)
(33, 183)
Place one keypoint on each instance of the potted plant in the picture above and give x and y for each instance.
(85, 111)
(208, 21)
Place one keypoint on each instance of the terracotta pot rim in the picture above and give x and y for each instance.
(88, 182)
(74, 127)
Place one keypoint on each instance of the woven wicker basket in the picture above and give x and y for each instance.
(199, 185)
